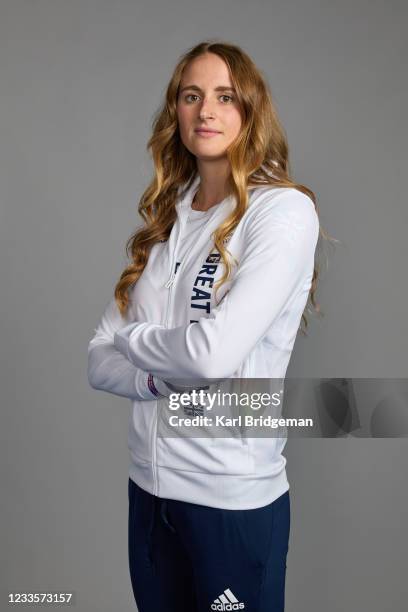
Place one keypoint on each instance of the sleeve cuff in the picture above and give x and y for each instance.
(157, 387)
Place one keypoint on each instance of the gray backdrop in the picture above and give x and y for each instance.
(80, 80)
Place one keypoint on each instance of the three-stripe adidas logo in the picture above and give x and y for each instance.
(227, 601)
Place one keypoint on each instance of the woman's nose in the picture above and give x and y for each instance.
(206, 110)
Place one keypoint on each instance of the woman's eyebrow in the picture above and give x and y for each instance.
(196, 88)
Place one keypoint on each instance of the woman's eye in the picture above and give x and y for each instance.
(189, 96)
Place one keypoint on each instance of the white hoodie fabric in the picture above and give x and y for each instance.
(177, 330)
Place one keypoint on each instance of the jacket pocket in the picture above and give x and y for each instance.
(228, 456)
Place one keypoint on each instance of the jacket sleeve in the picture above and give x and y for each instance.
(108, 369)
(276, 263)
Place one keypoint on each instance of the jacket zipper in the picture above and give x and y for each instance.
(168, 285)
(173, 274)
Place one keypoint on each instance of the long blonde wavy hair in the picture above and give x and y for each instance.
(258, 156)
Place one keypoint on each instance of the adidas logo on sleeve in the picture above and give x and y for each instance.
(227, 601)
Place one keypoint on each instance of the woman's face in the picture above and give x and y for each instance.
(207, 100)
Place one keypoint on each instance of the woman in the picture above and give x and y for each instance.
(209, 517)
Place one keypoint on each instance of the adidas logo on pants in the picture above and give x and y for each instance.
(227, 601)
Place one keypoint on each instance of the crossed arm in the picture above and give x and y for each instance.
(108, 369)
(277, 262)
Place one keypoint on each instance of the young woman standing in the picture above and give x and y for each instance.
(219, 279)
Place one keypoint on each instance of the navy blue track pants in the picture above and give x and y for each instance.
(186, 557)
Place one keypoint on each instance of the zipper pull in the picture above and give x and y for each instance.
(170, 281)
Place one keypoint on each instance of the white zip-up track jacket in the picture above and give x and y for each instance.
(177, 331)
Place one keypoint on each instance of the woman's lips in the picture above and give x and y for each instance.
(206, 133)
